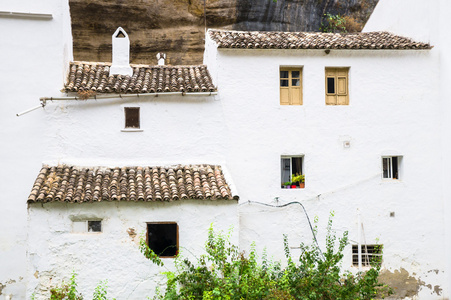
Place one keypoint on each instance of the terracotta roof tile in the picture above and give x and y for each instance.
(93, 76)
(312, 40)
(66, 183)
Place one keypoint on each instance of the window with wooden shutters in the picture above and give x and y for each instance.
(337, 91)
(132, 117)
(290, 86)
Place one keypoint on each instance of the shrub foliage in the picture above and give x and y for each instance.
(225, 272)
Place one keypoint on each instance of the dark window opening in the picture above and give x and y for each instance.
(131, 117)
(395, 167)
(162, 238)
(284, 74)
(94, 226)
(371, 255)
(390, 167)
(330, 85)
(284, 82)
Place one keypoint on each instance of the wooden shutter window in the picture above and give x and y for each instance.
(131, 117)
(290, 86)
(337, 86)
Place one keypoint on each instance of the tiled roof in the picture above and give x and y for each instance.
(65, 183)
(312, 40)
(92, 76)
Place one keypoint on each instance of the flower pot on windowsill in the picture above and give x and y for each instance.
(301, 185)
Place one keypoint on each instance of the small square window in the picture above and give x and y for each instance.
(292, 175)
(87, 226)
(390, 167)
(290, 86)
(162, 238)
(132, 117)
(94, 226)
(371, 255)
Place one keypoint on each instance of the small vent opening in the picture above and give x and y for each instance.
(120, 34)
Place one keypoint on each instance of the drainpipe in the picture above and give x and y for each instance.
(31, 109)
(43, 99)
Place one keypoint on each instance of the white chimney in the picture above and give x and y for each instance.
(161, 57)
(121, 53)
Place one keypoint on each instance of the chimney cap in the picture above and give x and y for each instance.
(161, 57)
(120, 33)
(121, 53)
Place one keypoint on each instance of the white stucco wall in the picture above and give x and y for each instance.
(33, 55)
(394, 110)
(445, 61)
(175, 130)
(398, 105)
(415, 19)
(54, 250)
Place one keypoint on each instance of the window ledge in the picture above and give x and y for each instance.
(388, 180)
(298, 188)
(132, 130)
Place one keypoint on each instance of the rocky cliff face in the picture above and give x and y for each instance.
(177, 27)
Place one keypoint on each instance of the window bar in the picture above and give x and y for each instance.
(390, 168)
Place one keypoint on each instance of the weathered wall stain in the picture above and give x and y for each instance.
(11, 281)
(404, 284)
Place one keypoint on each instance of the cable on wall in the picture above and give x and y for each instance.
(305, 212)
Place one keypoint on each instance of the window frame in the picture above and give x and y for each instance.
(392, 168)
(368, 252)
(126, 115)
(282, 157)
(290, 88)
(176, 237)
(337, 97)
(86, 226)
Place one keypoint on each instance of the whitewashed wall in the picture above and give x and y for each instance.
(33, 55)
(417, 19)
(396, 101)
(54, 251)
(175, 130)
(445, 61)
(427, 21)
(394, 109)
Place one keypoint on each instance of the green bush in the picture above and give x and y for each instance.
(333, 23)
(225, 272)
(68, 291)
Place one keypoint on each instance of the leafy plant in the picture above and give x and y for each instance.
(148, 253)
(298, 178)
(100, 291)
(225, 272)
(66, 291)
(333, 23)
(339, 23)
(287, 183)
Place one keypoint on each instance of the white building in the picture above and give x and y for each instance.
(363, 117)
